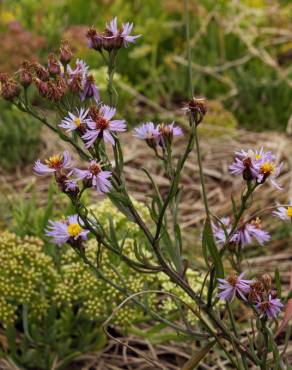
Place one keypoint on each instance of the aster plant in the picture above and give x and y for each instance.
(92, 127)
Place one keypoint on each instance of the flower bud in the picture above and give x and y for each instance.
(274, 293)
(197, 108)
(87, 182)
(71, 188)
(25, 75)
(94, 39)
(55, 93)
(66, 53)
(256, 290)
(4, 77)
(76, 83)
(40, 71)
(42, 87)
(266, 279)
(53, 65)
(10, 89)
(247, 174)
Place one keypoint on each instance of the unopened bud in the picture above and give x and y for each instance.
(197, 108)
(25, 75)
(266, 279)
(66, 53)
(53, 65)
(4, 77)
(42, 87)
(10, 89)
(273, 293)
(94, 39)
(40, 72)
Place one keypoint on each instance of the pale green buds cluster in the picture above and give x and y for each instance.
(29, 276)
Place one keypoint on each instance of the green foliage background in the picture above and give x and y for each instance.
(254, 35)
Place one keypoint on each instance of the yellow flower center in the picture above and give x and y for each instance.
(289, 211)
(267, 168)
(77, 121)
(74, 229)
(258, 156)
(257, 223)
(54, 161)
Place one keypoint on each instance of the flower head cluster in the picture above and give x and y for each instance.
(255, 292)
(81, 82)
(233, 286)
(161, 134)
(100, 125)
(9, 88)
(54, 80)
(112, 38)
(243, 235)
(53, 164)
(67, 231)
(75, 121)
(95, 176)
(27, 275)
(256, 165)
(264, 297)
(197, 109)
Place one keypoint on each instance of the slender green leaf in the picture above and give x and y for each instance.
(208, 242)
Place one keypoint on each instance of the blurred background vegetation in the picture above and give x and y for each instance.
(242, 50)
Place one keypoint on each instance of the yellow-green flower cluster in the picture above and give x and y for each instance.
(79, 287)
(26, 276)
(123, 227)
(29, 276)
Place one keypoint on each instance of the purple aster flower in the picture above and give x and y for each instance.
(244, 235)
(219, 232)
(96, 176)
(73, 122)
(94, 39)
(149, 133)
(248, 231)
(284, 213)
(270, 308)
(167, 132)
(80, 68)
(268, 170)
(90, 90)
(120, 37)
(65, 231)
(126, 30)
(53, 164)
(103, 127)
(71, 186)
(245, 163)
(257, 165)
(77, 76)
(233, 285)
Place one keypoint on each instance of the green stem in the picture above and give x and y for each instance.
(264, 363)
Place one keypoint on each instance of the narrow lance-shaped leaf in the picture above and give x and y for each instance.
(209, 244)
